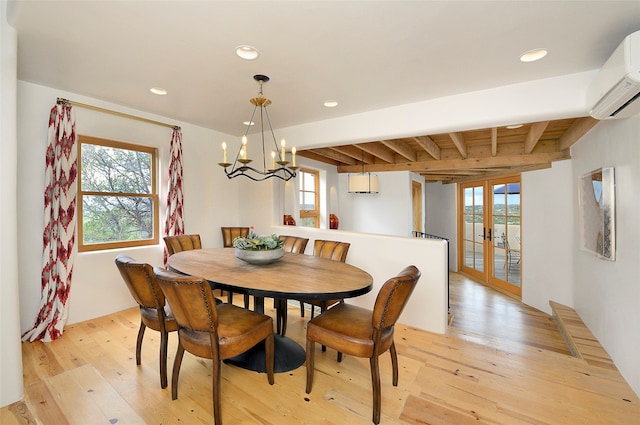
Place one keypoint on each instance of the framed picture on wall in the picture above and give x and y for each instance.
(596, 201)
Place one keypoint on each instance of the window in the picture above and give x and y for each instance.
(309, 198)
(117, 195)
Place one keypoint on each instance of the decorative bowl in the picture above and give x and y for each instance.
(260, 257)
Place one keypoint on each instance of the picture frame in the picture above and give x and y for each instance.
(596, 205)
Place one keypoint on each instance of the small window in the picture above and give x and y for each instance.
(309, 198)
(117, 196)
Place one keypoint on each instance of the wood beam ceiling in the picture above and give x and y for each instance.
(463, 155)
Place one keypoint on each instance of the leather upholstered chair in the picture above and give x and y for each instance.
(181, 243)
(293, 245)
(228, 235)
(154, 312)
(331, 250)
(364, 333)
(212, 332)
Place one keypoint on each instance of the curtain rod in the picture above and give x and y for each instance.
(61, 101)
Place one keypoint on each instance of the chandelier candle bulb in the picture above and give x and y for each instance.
(224, 152)
(282, 143)
(293, 156)
(273, 160)
(244, 147)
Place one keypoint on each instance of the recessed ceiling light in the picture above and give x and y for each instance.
(533, 55)
(248, 123)
(247, 52)
(158, 90)
(514, 126)
(331, 103)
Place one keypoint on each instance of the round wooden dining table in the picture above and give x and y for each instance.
(295, 276)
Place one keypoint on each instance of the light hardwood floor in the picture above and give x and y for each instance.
(500, 363)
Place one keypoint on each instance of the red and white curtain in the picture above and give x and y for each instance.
(174, 223)
(59, 226)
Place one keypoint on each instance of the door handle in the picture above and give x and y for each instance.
(489, 237)
(484, 234)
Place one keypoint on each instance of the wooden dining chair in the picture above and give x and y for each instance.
(331, 250)
(212, 332)
(154, 311)
(293, 245)
(228, 235)
(364, 333)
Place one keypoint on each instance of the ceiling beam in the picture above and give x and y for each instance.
(331, 155)
(458, 140)
(358, 154)
(444, 178)
(512, 171)
(579, 128)
(533, 136)
(454, 173)
(401, 149)
(429, 146)
(317, 157)
(378, 151)
(447, 164)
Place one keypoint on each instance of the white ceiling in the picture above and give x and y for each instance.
(365, 54)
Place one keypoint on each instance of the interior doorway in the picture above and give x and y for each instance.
(416, 203)
(490, 224)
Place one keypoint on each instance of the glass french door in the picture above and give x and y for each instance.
(491, 232)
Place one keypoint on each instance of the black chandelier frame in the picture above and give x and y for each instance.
(240, 165)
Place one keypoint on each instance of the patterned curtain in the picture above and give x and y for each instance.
(174, 223)
(59, 226)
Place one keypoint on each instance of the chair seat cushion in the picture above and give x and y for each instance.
(150, 318)
(238, 330)
(348, 329)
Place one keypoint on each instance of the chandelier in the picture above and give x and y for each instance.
(274, 166)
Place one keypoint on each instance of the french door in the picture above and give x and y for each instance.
(489, 222)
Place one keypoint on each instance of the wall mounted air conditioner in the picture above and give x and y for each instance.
(615, 91)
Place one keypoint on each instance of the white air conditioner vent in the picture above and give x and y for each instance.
(615, 90)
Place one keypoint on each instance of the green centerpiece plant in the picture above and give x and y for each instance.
(255, 242)
(258, 249)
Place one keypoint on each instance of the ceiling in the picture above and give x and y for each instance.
(367, 55)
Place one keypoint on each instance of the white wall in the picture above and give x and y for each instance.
(440, 216)
(387, 212)
(548, 214)
(607, 293)
(11, 357)
(211, 200)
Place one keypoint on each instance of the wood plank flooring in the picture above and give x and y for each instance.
(500, 363)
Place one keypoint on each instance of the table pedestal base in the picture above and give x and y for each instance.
(288, 354)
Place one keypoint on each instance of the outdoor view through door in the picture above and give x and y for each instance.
(490, 225)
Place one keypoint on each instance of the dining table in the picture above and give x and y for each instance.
(295, 276)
